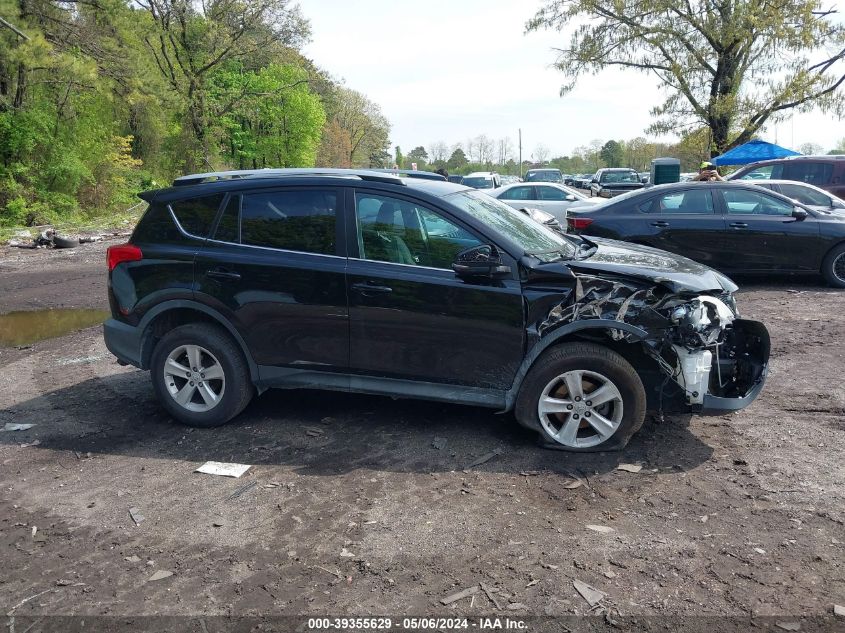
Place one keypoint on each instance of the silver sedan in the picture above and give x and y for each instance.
(552, 198)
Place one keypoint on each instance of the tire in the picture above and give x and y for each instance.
(211, 348)
(833, 267)
(593, 367)
(65, 242)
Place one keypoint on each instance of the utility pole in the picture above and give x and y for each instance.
(520, 152)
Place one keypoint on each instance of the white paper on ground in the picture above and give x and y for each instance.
(223, 469)
(15, 426)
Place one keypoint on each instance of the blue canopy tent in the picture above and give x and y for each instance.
(751, 152)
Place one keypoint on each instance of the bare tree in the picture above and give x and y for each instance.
(438, 151)
(541, 154)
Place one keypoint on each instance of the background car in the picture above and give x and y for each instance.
(509, 179)
(582, 181)
(731, 226)
(456, 179)
(827, 172)
(482, 180)
(611, 181)
(544, 218)
(549, 197)
(543, 175)
(814, 197)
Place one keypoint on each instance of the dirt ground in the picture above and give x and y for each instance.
(366, 505)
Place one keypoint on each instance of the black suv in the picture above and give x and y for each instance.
(235, 282)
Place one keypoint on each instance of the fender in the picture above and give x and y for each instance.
(553, 337)
(173, 304)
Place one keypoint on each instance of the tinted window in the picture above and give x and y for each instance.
(805, 195)
(292, 220)
(196, 214)
(806, 171)
(690, 201)
(619, 176)
(744, 202)
(157, 225)
(550, 193)
(401, 232)
(518, 193)
(228, 229)
(767, 172)
(546, 175)
(478, 182)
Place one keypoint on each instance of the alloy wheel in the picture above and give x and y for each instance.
(194, 378)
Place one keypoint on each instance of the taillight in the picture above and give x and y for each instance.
(123, 253)
(576, 224)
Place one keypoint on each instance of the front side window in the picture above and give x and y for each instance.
(518, 193)
(814, 173)
(550, 193)
(301, 220)
(402, 232)
(741, 202)
(767, 172)
(690, 201)
(806, 195)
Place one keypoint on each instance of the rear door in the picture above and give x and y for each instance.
(275, 267)
(411, 317)
(762, 235)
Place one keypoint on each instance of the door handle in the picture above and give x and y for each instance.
(223, 274)
(660, 223)
(739, 225)
(369, 288)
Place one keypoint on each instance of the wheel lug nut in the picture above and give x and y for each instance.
(577, 398)
(569, 406)
(589, 403)
(188, 374)
(194, 368)
(586, 415)
(200, 384)
(575, 416)
(192, 383)
(203, 376)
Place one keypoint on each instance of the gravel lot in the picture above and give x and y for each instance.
(366, 505)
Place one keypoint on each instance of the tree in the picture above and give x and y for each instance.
(811, 149)
(504, 150)
(541, 154)
(367, 127)
(399, 160)
(727, 65)
(612, 153)
(457, 160)
(484, 149)
(335, 147)
(439, 152)
(419, 156)
(839, 148)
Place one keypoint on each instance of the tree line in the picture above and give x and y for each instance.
(102, 98)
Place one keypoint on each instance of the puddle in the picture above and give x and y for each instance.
(25, 327)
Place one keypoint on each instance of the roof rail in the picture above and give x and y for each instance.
(238, 174)
(410, 173)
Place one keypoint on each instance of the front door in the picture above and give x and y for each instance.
(275, 269)
(762, 234)
(411, 317)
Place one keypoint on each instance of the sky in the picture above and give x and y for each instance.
(449, 70)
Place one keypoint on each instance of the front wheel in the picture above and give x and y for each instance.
(200, 376)
(582, 397)
(833, 267)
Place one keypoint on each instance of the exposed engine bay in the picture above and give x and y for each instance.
(698, 340)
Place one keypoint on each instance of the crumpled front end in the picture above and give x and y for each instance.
(717, 359)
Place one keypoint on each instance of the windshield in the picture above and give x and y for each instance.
(535, 239)
(478, 182)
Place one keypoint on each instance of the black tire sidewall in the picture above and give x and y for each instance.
(827, 266)
(590, 357)
(224, 349)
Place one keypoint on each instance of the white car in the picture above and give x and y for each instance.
(550, 197)
(482, 180)
(805, 193)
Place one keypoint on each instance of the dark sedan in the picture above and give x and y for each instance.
(731, 226)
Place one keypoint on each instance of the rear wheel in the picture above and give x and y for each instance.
(582, 397)
(833, 267)
(200, 376)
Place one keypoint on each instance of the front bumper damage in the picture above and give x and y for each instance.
(717, 361)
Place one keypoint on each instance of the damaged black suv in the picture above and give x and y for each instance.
(235, 282)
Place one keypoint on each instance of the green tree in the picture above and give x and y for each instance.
(367, 127)
(839, 148)
(457, 160)
(612, 153)
(398, 159)
(419, 156)
(729, 65)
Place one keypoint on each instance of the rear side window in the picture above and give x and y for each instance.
(197, 214)
(157, 226)
(518, 193)
(692, 201)
(814, 173)
(291, 220)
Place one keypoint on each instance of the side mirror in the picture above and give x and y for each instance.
(480, 261)
(570, 198)
(799, 214)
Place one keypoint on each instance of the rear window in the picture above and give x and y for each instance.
(478, 183)
(545, 175)
(302, 221)
(196, 214)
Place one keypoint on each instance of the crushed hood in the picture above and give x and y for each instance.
(678, 273)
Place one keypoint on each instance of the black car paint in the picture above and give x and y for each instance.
(339, 322)
(727, 242)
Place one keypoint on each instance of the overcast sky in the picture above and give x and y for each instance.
(453, 69)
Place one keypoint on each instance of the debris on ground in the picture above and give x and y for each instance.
(604, 529)
(223, 469)
(839, 610)
(485, 458)
(33, 443)
(572, 485)
(132, 559)
(14, 426)
(490, 596)
(610, 574)
(240, 491)
(345, 553)
(630, 468)
(439, 443)
(161, 574)
(788, 626)
(514, 606)
(464, 593)
(592, 595)
(136, 515)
